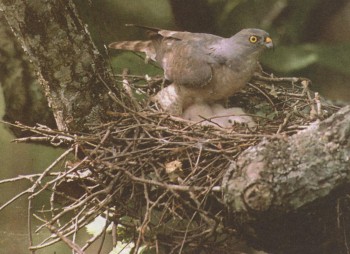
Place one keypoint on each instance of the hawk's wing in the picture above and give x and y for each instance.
(187, 58)
(185, 62)
(187, 36)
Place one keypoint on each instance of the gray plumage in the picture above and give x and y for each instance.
(202, 67)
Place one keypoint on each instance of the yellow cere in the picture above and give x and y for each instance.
(268, 40)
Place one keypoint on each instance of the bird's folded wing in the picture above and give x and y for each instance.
(178, 34)
(188, 59)
(186, 63)
(187, 36)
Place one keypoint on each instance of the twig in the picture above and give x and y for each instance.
(284, 124)
(281, 79)
(21, 177)
(173, 187)
(64, 239)
(127, 88)
(263, 93)
(93, 239)
(46, 171)
(104, 231)
(15, 198)
(29, 225)
(120, 168)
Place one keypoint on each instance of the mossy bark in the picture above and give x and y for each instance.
(284, 192)
(24, 99)
(70, 69)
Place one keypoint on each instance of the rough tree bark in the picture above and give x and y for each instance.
(69, 66)
(270, 185)
(24, 98)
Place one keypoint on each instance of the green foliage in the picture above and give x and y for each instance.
(295, 58)
(335, 57)
(135, 63)
(289, 59)
(107, 19)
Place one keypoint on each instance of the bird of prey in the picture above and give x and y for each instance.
(203, 69)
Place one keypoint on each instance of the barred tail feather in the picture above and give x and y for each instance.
(138, 46)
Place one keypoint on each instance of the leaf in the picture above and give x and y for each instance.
(174, 170)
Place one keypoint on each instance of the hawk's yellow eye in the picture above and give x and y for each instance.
(253, 39)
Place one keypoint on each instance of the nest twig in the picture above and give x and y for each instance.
(156, 176)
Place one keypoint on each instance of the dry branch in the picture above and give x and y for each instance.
(287, 183)
(161, 173)
(273, 174)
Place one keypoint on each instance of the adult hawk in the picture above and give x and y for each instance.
(203, 69)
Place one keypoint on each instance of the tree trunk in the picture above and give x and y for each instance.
(24, 99)
(270, 185)
(69, 67)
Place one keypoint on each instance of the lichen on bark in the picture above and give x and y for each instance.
(68, 64)
(294, 171)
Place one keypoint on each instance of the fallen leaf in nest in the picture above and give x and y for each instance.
(273, 92)
(174, 170)
(173, 166)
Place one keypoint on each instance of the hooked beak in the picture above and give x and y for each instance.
(268, 42)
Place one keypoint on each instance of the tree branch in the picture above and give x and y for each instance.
(282, 182)
(274, 173)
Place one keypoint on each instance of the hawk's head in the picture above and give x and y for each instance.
(253, 38)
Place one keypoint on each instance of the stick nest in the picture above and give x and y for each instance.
(156, 178)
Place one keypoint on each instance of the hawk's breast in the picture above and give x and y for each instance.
(224, 83)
